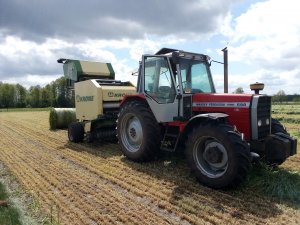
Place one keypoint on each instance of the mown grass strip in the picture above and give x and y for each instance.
(288, 120)
(24, 109)
(9, 215)
(278, 183)
(287, 113)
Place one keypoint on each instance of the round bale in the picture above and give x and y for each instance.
(60, 118)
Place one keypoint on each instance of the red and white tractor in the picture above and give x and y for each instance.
(176, 105)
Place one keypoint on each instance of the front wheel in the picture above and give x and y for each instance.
(277, 127)
(276, 156)
(217, 155)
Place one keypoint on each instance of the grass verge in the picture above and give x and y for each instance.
(9, 215)
(278, 183)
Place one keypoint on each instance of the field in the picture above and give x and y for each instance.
(94, 184)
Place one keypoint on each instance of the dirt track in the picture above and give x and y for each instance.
(94, 184)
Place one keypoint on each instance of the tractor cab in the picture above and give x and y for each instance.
(169, 78)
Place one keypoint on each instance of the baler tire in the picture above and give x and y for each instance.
(75, 132)
(215, 135)
(138, 132)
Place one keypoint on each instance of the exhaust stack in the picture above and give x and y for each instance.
(225, 60)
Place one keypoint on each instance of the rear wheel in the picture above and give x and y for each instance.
(75, 132)
(217, 155)
(138, 132)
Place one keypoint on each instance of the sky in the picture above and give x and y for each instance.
(262, 37)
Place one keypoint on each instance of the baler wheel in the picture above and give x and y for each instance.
(75, 132)
(218, 156)
(138, 132)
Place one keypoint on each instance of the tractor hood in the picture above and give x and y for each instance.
(236, 106)
(235, 101)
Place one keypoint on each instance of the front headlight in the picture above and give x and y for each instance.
(259, 123)
(268, 121)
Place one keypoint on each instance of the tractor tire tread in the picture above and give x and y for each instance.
(241, 152)
(153, 132)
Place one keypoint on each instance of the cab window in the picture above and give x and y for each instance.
(158, 80)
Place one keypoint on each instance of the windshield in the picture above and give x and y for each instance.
(196, 77)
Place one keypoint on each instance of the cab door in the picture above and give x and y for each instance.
(159, 87)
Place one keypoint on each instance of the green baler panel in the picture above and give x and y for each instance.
(77, 70)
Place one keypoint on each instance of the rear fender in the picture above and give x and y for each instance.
(133, 97)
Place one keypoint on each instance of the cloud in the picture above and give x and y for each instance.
(19, 57)
(110, 19)
(34, 33)
(268, 34)
(23, 61)
(284, 80)
(266, 37)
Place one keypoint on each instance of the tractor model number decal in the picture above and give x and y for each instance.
(84, 98)
(115, 95)
(222, 104)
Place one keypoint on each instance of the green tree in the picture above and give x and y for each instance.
(34, 96)
(7, 97)
(21, 96)
(46, 98)
(239, 90)
(279, 97)
(63, 95)
(296, 99)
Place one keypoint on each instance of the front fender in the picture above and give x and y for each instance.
(202, 118)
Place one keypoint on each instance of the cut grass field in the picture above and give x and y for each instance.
(24, 109)
(94, 184)
(9, 215)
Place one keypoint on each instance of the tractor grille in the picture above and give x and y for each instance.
(264, 115)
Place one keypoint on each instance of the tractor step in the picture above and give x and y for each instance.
(171, 139)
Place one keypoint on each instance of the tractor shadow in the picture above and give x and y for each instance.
(239, 203)
(103, 149)
(247, 201)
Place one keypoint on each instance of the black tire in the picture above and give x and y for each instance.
(230, 163)
(75, 132)
(275, 157)
(277, 127)
(138, 131)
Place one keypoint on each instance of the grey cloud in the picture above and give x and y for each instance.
(281, 64)
(25, 64)
(75, 21)
(110, 19)
(34, 63)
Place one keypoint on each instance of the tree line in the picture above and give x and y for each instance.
(54, 94)
(279, 97)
